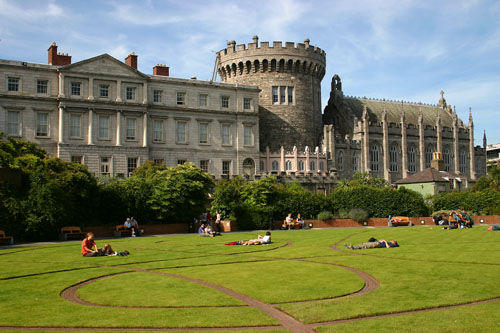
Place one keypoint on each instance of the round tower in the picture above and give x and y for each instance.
(289, 77)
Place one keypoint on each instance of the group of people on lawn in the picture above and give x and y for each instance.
(133, 225)
(206, 229)
(456, 220)
(289, 222)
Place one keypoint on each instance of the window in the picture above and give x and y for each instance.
(247, 102)
(77, 159)
(13, 84)
(274, 166)
(13, 123)
(224, 102)
(181, 98)
(204, 165)
(290, 95)
(479, 166)
(103, 127)
(159, 161)
(312, 166)
(42, 124)
(428, 155)
(203, 132)
(180, 132)
(275, 94)
(355, 161)
(301, 165)
(393, 158)
(42, 86)
(130, 93)
(412, 159)
(181, 162)
(462, 161)
(262, 165)
(104, 167)
(103, 90)
(248, 136)
(446, 158)
(226, 166)
(131, 165)
(226, 134)
(321, 165)
(374, 157)
(282, 94)
(203, 100)
(157, 130)
(130, 135)
(75, 125)
(75, 88)
(288, 165)
(157, 96)
(340, 160)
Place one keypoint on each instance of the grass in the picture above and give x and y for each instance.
(432, 268)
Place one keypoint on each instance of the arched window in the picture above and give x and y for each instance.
(262, 166)
(479, 167)
(321, 165)
(312, 166)
(374, 157)
(275, 166)
(462, 160)
(355, 161)
(301, 166)
(428, 155)
(393, 158)
(288, 165)
(340, 160)
(412, 159)
(446, 158)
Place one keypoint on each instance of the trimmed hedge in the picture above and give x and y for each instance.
(480, 202)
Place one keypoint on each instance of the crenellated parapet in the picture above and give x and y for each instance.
(288, 57)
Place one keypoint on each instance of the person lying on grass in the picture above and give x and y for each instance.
(89, 248)
(373, 245)
(259, 241)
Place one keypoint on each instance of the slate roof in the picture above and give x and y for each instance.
(412, 111)
(430, 175)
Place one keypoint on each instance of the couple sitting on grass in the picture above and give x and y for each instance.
(89, 248)
(261, 240)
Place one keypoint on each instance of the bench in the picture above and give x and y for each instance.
(122, 231)
(6, 239)
(293, 225)
(401, 220)
(71, 233)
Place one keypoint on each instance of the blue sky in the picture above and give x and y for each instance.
(394, 49)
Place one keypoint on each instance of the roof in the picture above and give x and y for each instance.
(430, 175)
(376, 108)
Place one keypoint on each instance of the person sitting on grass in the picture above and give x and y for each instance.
(89, 247)
(205, 231)
(260, 240)
(373, 245)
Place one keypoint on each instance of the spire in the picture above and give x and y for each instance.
(442, 101)
(484, 140)
(471, 123)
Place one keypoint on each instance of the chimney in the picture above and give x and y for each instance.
(131, 60)
(58, 59)
(161, 70)
(437, 161)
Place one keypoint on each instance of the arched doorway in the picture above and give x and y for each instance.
(248, 168)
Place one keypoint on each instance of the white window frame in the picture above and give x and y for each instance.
(103, 90)
(158, 129)
(130, 128)
(130, 93)
(248, 138)
(247, 103)
(275, 95)
(227, 135)
(184, 132)
(100, 129)
(224, 102)
(37, 125)
(16, 84)
(204, 165)
(132, 164)
(17, 124)
(105, 166)
(226, 167)
(157, 96)
(203, 100)
(290, 94)
(40, 86)
(75, 87)
(180, 98)
(203, 140)
(72, 128)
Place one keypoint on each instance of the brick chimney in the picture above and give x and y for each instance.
(437, 161)
(161, 70)
(131, 60)
(58, 59)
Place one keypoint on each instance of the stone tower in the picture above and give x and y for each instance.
(289, 77)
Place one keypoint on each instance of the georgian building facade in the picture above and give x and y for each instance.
(111, 117)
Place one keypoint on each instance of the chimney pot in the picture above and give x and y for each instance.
(161, 70)
(131, 60)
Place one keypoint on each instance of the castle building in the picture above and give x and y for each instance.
(110, 116)
(263, 118)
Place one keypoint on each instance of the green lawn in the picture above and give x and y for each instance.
(174, 282)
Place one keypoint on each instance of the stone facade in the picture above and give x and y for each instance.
(289, 77)
(108, 115)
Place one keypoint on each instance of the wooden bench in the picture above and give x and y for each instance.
(71, 233)
(122, 231)
(401, 220)
(293, 225)
(6, 239)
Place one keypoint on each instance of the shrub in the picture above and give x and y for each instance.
(325, 215)
(492, 210)
(343, 213)
(358, 214)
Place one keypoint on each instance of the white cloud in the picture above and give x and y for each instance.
(12, 10)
